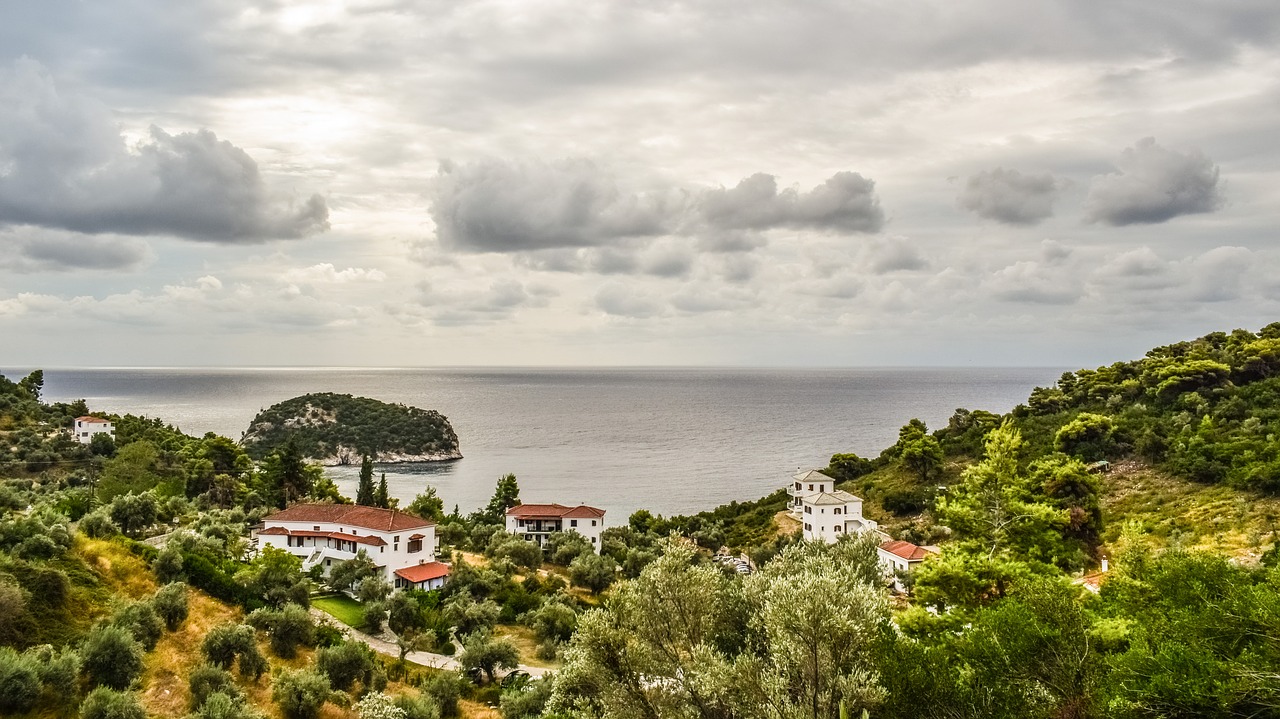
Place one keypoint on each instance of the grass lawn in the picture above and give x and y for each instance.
(341, 607)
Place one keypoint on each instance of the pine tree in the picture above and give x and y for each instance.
(381, 499)
(364, 494)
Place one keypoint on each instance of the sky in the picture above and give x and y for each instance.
(387, 183)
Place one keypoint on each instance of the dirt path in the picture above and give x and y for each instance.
(426, 659)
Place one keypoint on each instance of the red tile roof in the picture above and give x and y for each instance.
(906, 550)
(423, 572)
(93, 420)
(382, 520)
(525, 511)
(366, 539)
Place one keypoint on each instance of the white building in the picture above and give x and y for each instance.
(805, 484)
(401, 545)
(900, 556)
(87, 426)
(536, 522)
(828, 516)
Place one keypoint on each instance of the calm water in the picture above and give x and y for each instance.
(670, 440)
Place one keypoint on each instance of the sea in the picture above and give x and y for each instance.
(670, 440)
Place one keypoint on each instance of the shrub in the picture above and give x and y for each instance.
(345, 664)
(563, 547)
(19, 682)
(207, 680)
(60, 670)
(417, 707)
(141, 621)
(170, 603)
(445, 688)
(554, 620)
(593, 571)
(97, 524)
(168, 564)
(226, 706)
(288, 628)
(374, 617)
(227, 643)
(376, 705)
(111, 657)
(300, 694)
(104, 703)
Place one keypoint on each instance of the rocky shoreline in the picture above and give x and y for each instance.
(347, 457)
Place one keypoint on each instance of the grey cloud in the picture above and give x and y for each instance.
(1216, 275)
(532, 207)
(466, 306)
(65, 165)
(1010, 197)
(41, 251)
(846, 202)
(895, 254)
(495, 206)
(1154, 185)
(622, 301)
(1054, 252)
(1029, 282)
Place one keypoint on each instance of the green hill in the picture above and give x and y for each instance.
(340, 429)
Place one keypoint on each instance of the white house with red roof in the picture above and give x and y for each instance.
(536, 522)
(900, 556)
(87, 426)
(401, 545)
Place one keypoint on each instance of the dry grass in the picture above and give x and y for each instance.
(476, 710)
(785, 523)
(1195, 516)
(527, 644)
(124, 573)
(169, 666)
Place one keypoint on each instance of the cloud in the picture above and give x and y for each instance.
(845, 203)
(893, 255)
(530, 206)
(1010, 197)
(495, 206)
(471, 305)
(64, 164)
(1031, 282)
(622, 301)
(1154, 185)
(326, 273)
(36, 250)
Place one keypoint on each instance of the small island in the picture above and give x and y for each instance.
(339, 429)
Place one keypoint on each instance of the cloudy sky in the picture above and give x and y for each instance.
(388, 183)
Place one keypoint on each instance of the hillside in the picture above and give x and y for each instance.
(340, 429)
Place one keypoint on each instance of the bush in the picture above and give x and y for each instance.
(563, 547)
(288, 628)
(226, 706)
(300, 694)
(104, 703)
(207, 680)
(417, 707)
(111, 657)
(554, 620)
(227, 643)
(141, 621)
(19, 682)
(59, 670)
(376, 705)
(345, 664)
(374, 617)
(445, 689)
(170, 603)
(168, 564)
(593, 571)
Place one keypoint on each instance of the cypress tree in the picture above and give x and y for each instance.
(381, 499)
(364, 494)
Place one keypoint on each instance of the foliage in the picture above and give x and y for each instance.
(276, 577)
(207, 680)
(427, 505)
(140, 620)
(344, 575)
(445, 688)
(564, 547)
(300, 694)
(593, 571)
(505, 496)
(19, 682)
(228, 644)
(170, 603)
(105, 703)
(346, 663)
(364, 490)
(288, 628)
(482, 651)
(111, 657)
(376, 705)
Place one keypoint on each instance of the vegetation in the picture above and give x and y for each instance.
(342, 428)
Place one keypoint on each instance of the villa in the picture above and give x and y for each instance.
(825, 512)
(88, 426)
(401, 545)
(536, 522)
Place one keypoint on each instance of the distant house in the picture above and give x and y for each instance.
(826, 513)
(87, 426)
(536, 522)
(401, 545)
(897, 555)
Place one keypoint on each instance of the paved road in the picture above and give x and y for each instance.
(426, 659)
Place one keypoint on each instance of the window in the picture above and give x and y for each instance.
(808, 509)
(415, 545)
(396, 538)
(807, 527)
(593, 540)
(593, 522)
(836, 510)
(519, 522)
(528, 537)
(327, 562)
(837, 528)
(573, 522)
(799, 486)
(822, 511)
(811, 488)
(316, 528)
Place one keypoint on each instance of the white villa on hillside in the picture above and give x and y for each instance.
(400, 544)
(825, 512)
(901, 556)
(87, 426)
(535, 522)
